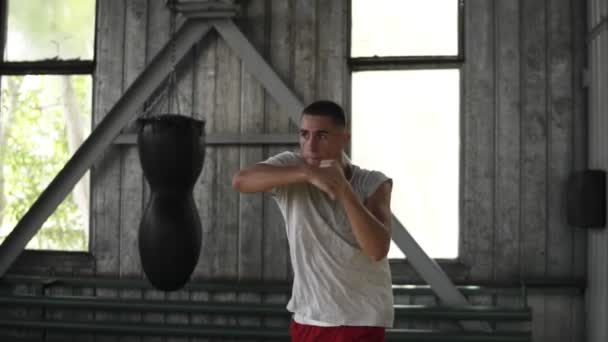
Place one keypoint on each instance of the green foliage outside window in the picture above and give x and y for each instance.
(36, 148)
(44, 118)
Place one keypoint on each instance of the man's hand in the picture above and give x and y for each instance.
(329, 177)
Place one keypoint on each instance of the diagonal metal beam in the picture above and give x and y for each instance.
(257, 66)
(426, 267)
(101, 137)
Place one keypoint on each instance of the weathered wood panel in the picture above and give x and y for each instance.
(205, 194)
(597, 294)
(224, 263)
(106, 174)
(580, 122)
(157, 34)
(275, 258)
(132, 201)
(508, 121)
(560, 127)
(304, 50)
(559, 239)
(331, 26)
(181, 102)
(534, 138)
(251, 206)
(478, 141)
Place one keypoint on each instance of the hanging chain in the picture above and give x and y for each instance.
(152, 105)
(172, 82)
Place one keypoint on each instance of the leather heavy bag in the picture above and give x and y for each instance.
(171, 152)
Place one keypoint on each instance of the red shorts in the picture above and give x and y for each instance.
(310, 333)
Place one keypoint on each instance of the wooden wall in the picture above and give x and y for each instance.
(597, 290)
(243, 236)
(522, 134)
(523, 123)
(523, 108)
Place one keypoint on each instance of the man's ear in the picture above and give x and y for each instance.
(346, 137)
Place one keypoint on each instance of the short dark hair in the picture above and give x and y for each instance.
(329, 109)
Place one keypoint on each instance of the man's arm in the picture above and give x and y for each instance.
(264, 177)
(371, 220)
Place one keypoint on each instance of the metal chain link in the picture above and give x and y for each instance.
(172, 84)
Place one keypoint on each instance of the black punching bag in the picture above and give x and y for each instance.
(171, 153)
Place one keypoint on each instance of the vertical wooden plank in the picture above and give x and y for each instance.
(227, 112)
(182, 104)
(580, 158)
(580, 130)
(157, 35)
(534, 152)
(507, 211)
(106, 173)
(224, 261)
(132, 175)
(332, 18)
(597, 276)
(252, 121)
(276, 263)
(560, 157)
(534, 138)
(560, 87)
(304, 49)
(205, 190)
(478, 141)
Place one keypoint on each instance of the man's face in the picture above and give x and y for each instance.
(321, 139)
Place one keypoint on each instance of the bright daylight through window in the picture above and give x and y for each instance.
(406, 112)
(45, 113)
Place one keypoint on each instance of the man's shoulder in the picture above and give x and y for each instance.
(284, 158)
(367, 172)
(368, 181)
(289, 154)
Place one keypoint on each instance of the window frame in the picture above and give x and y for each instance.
(56, 260)
(401, 267)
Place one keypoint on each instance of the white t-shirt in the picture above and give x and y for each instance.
(335, 283)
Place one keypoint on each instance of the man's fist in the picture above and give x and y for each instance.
(329, 178)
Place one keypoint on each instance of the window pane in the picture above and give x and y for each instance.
(406, 124)
(44, 120)
(404, 28)
(45, 29)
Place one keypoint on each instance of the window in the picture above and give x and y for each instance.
(46, 84)
(405, 62)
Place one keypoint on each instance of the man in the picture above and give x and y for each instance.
(337, 218)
